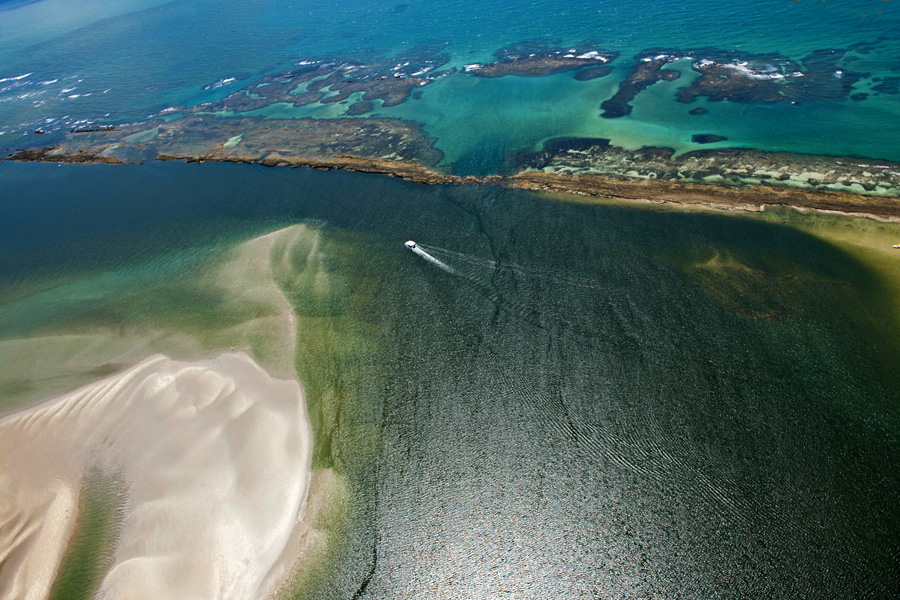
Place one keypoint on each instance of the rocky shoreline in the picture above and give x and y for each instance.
(558, 177)
(538, 59)
(728, 168)
(751, 198)
(735, 178)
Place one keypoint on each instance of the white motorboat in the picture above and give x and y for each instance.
(411, 245)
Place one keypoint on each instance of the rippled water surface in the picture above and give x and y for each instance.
(573, 401)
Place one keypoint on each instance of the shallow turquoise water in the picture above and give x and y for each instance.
(127, 61)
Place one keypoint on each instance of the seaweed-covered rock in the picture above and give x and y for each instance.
(646, 72)
(538, 58)
(707, 138)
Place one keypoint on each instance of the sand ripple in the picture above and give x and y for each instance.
(215, 455)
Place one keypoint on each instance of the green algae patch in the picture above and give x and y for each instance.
(142, 137)
(328, 525)
(340, 360)
(336, 346)
(91, 549)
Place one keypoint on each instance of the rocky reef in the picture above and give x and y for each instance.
(730, 168)
(646, 72)
(749, 198)
(359, 108)
(726, 178)
(228, 130)
(741, 77)
(707, 138)
(539, 58)
(391, 80)
(308, 142)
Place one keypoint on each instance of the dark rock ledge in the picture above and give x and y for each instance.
(737, 179)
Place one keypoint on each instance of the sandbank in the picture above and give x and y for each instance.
(214, 456)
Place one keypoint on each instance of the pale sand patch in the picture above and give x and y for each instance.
(33, 369)
(215, 455)
(259, 321)
(249, 279)
(327, 492)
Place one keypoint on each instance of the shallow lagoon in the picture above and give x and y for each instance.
(596, 400)
(118, 64)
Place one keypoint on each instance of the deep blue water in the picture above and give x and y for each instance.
(11, 4)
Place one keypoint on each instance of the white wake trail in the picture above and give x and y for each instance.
(480, 269)
(433, 260)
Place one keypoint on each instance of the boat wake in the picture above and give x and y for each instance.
(476, 267)
(534, 294)
(418, 250)
(481, 270)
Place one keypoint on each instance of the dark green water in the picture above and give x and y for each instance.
(90, 552)
(588, 402)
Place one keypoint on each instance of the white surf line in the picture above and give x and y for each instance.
(415, 248)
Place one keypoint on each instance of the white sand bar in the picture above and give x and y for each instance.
(215, 455)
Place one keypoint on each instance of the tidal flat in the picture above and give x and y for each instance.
(591, 399)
